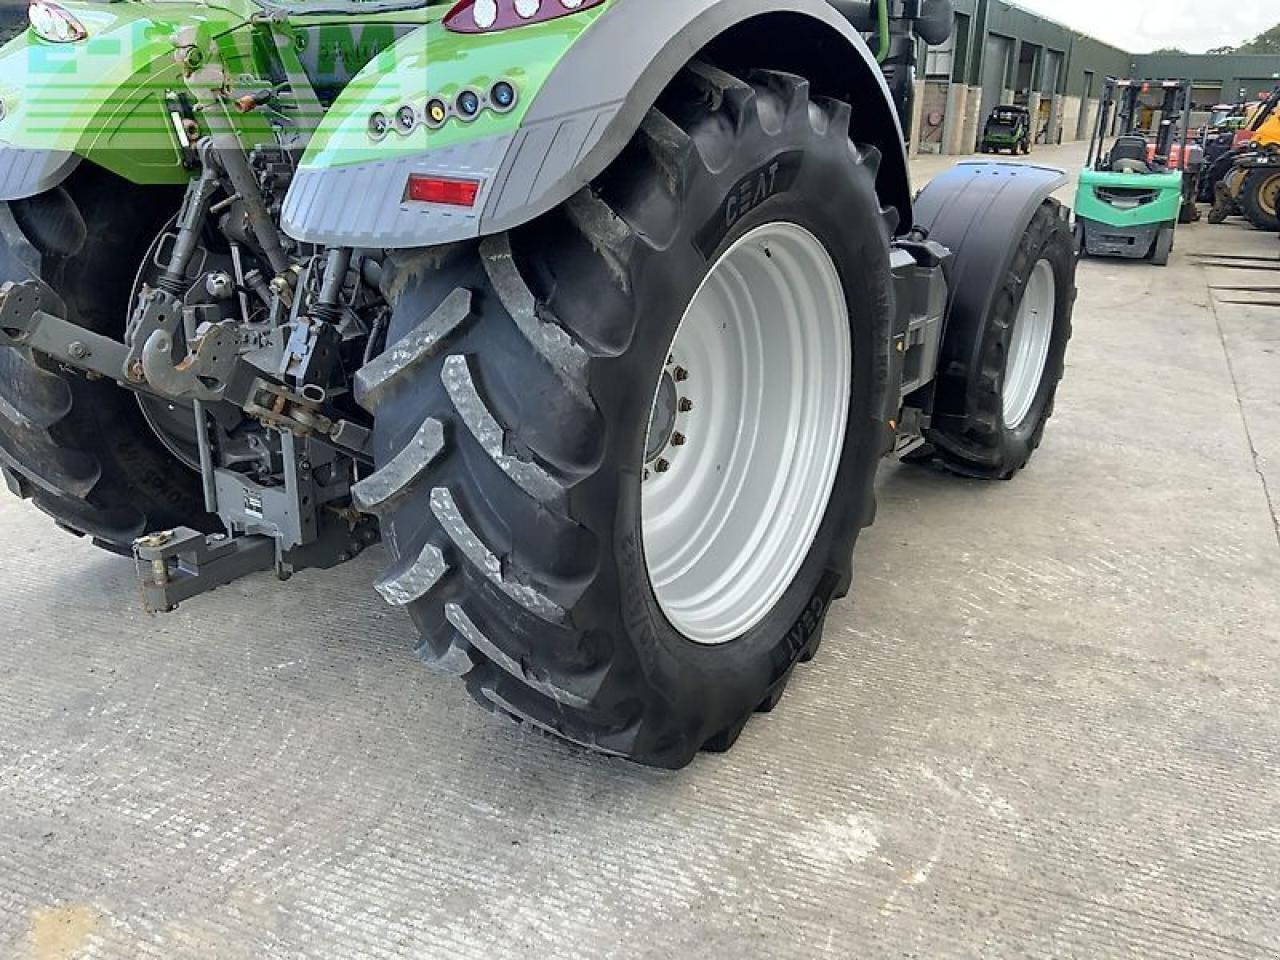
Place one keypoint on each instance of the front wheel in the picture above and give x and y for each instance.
(624, 452)
(996, 394)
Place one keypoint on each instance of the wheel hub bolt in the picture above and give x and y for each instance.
(662, 466)
(685, 404)
(680, 374)
(677, 439)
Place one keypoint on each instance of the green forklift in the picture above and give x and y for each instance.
(1132, 196)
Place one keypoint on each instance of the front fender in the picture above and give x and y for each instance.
(100, 98)
(586, 83)
(979, 211)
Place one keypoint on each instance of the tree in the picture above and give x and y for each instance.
(1177, 50)
(1266, 42)
(1219, 51)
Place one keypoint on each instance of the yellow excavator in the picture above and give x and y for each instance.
(1247, 178)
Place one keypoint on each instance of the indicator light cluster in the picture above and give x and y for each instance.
(466, 106)
(489, 16)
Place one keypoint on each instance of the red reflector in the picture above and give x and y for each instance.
(456, 193)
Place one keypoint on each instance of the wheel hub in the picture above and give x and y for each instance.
(746, 432)
(668, 424)
(1269, 195)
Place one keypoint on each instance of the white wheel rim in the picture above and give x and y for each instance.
(747, 429)
(1029, 346)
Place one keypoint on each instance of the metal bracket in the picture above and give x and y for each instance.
(24, 324)
(158, 311)
(176, 565)
(203, 374)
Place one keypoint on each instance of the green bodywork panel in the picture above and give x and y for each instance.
(104, 98)
(1163, 208)
(432, 62)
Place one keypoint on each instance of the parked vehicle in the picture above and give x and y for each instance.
(1245, 180)
(1007, 128)
(602, 322)
(1132, 195)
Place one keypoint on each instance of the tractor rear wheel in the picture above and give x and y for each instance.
(624, 452)
(81, 449)
(1260, 198)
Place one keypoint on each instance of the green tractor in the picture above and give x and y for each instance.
(1132, 196)
(598, 314)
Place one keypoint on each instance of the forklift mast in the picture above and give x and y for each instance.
(1175, 118)
(1122, 100)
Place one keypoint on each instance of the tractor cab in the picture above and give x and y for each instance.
(1139, 180)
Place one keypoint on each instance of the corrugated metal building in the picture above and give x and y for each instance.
(1218, 79)
(1001, 54)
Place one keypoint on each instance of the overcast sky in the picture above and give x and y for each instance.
(1143, 25)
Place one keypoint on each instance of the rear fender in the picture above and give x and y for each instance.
(586, 83)
(102, 98)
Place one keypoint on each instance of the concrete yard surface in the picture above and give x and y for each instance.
(1045, 724)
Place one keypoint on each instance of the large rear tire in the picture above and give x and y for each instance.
(80, 448)
(1214, 174)
(1260, 198)
(991, 411)
(529, 404)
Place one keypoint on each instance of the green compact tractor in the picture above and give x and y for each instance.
(1132, 196)
(1008, 128)
(598, 314)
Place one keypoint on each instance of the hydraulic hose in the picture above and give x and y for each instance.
(882, 26)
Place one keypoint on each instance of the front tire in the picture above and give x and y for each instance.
(516, 413)
(996, 394)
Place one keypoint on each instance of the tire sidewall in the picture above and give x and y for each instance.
(831, 193)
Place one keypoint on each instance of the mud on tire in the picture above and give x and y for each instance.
(512, 406)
